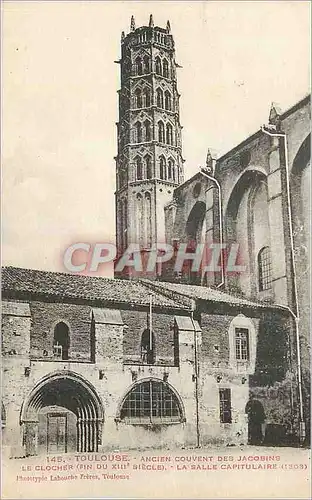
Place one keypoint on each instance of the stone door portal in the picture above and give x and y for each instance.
(57, 433)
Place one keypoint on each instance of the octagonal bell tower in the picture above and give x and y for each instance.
(149, 162)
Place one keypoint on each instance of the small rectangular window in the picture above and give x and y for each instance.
(242, 344)
(225, 406)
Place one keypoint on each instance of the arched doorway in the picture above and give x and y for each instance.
(62, 413)
(256, 418)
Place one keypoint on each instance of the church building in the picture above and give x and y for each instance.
(172, 359)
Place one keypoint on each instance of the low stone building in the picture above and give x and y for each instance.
(83, 373)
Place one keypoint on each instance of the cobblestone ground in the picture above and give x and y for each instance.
(229, 472)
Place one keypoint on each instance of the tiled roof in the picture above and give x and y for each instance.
(204, 293)
(33, 283)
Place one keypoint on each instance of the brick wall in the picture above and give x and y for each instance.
(162, 325)
(45, 316)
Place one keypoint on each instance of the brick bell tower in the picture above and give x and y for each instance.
(149, 162)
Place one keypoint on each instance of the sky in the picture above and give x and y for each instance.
(59, 103)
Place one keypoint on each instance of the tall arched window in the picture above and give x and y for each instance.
(138, 128)
(161, 132)
(151, 401)
(146, 64)
(61, 341)
(139, 169)
(138, 98)
(147, 98)
(169, 135)
(168, 100)
(148, 164)
(3, 416)
(147, 129)
(162, 167)
(148, 354)
(165, 68)
(148, 220)
(264, 269)
(170, 169)
(139, 67)
(158, 66)
(140, 219)
(159, 98)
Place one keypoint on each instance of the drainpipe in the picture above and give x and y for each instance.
(196, 381)
(295, 315)
(204, 173)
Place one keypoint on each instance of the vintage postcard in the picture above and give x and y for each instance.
(156, 249)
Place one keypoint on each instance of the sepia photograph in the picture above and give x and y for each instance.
(156, 226)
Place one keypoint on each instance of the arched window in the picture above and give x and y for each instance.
(138, 98)
(147, 98)
(139, 67)
(168, 100)
(3, 416)
(151, 401)
(169, 136)
(148, 163)
(147, 128)
(139, 170)
(138, 128)
(146, 64)
(264, 269)
(158, 66)
(148, 222)
(61, 341)
(161, 132)
(159, 98)
(148, 355)
(170, 169)
(165, 68)
(162, 165)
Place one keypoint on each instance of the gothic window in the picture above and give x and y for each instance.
(161, 132)
(147, 128)
(139, 169)
(169, 135)
(148, 220)
(170, 169)
(147, 98)
(146, 64)
(3, 416)
(225, 406)
(148, 163)
(151, 401)
(165, 68)
(162, 164)
(148, 355)
(264, 269)
(242, 344)
(138, 98)
(158, 66)
(159, 98)
(139, 67)
(138, 128)
(61, 341)
(168, 100)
